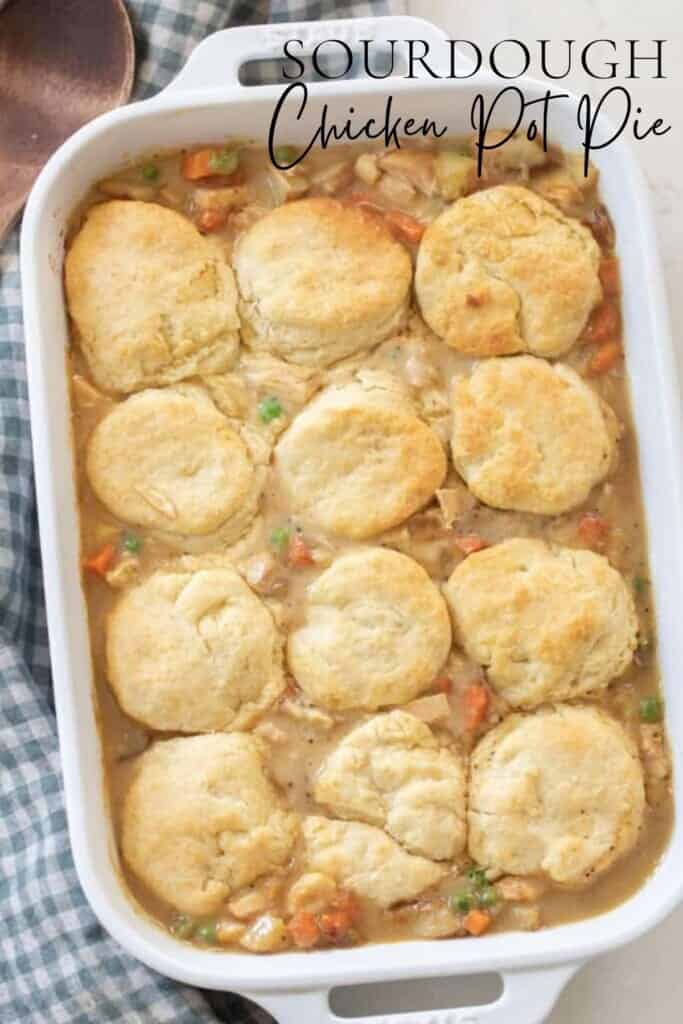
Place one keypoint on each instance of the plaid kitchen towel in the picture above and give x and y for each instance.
(58, 965)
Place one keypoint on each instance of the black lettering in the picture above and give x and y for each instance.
(418, 59)
(297, 60)
(584, 58)
(544, 59)
(328, 74)
(453, 43)
(525, 51)
(366, 58)
(632, 43)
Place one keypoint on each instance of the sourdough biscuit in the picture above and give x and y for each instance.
(531, 436)
(194, 652)
(358, 460)
(504, 271)
(375, 632)
(201, 819)
(169, 461)
(320, 280)
(548, 623)
(558, 793)
(152, 300)
(365, 860)
(392, 772)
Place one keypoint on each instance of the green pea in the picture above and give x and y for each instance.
(224, 161)
(639, 584)
(183, 927)
(650, 710)
(270, 409)
(279, 538)
(284, 155)
(478, 877)
(486, 897)
(149, 172)
(131, 543)
(461, 903)
(207, 933)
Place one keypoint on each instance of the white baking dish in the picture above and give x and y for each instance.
(207, 103)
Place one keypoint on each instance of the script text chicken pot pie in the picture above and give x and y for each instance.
(363, 548)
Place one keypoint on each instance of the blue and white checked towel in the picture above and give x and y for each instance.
(58, 965)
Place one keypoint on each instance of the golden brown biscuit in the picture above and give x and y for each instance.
(392, 772)
(358, 460)
(365, 860)
(152, 300)
(558, 793)
(548, 623)
(194, 652)
(531, 436)
(169, 461)
(320, 280)
(504, 271)
(201, 819)
(375, 632)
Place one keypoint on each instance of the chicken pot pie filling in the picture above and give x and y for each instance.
(363, 547)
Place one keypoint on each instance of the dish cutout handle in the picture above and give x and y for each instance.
(217, 60)
(527, 998)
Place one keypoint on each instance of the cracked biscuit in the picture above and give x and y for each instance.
(194, 652)
(531, 436)
(558, 793)
(320, 280)
(547, 623)
(152, 300)
(201, 819)
(391, 772)
(504, 271)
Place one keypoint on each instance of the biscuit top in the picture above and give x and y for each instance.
(504, 271)
(392, 772)
(169, 460)
(375, 631)
(319, 280)
(559, 793)
(548, 623)
(358, 460)
(202, 819)
(365, 860)
(194, 652)
(152, 300)
(530, 436)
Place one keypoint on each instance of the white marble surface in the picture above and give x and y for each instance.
(643, 983)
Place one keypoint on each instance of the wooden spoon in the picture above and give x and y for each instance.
(62, 62)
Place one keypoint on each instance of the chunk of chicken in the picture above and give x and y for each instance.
(312, 892)
(656, 759)
(522, 890)
(413, 167)
(267, 934)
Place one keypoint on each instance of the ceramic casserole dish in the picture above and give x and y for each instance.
(206, 103)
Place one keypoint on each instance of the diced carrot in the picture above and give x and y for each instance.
(101, 561)
(443, 684)
(304, 930)
(405, 227)
(198, 164)
(211, 220)
(476, 701)
(594, 530)
(603, 324)
(470, 542)
(335, 925)
(299, 553)
(605, 359)
(477, 922)
(348, 902)
(609, 275)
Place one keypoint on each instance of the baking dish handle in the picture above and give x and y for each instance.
(527, 998)
(217, 60)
